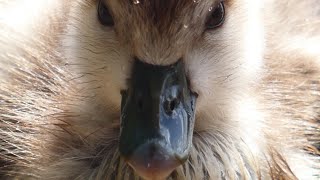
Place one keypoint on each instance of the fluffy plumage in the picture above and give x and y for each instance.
(257, 77)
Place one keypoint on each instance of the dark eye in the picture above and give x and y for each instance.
(216, 17)
(104, 15)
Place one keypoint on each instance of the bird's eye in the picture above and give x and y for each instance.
(216, 18)
(104, 15)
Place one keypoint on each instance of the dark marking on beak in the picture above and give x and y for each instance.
(157, 119)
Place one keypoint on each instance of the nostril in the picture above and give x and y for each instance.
(171, 105)
(139, 101)
(140, 104)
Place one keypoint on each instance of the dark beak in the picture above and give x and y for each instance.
(157, 119)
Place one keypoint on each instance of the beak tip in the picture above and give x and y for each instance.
(152, 161)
